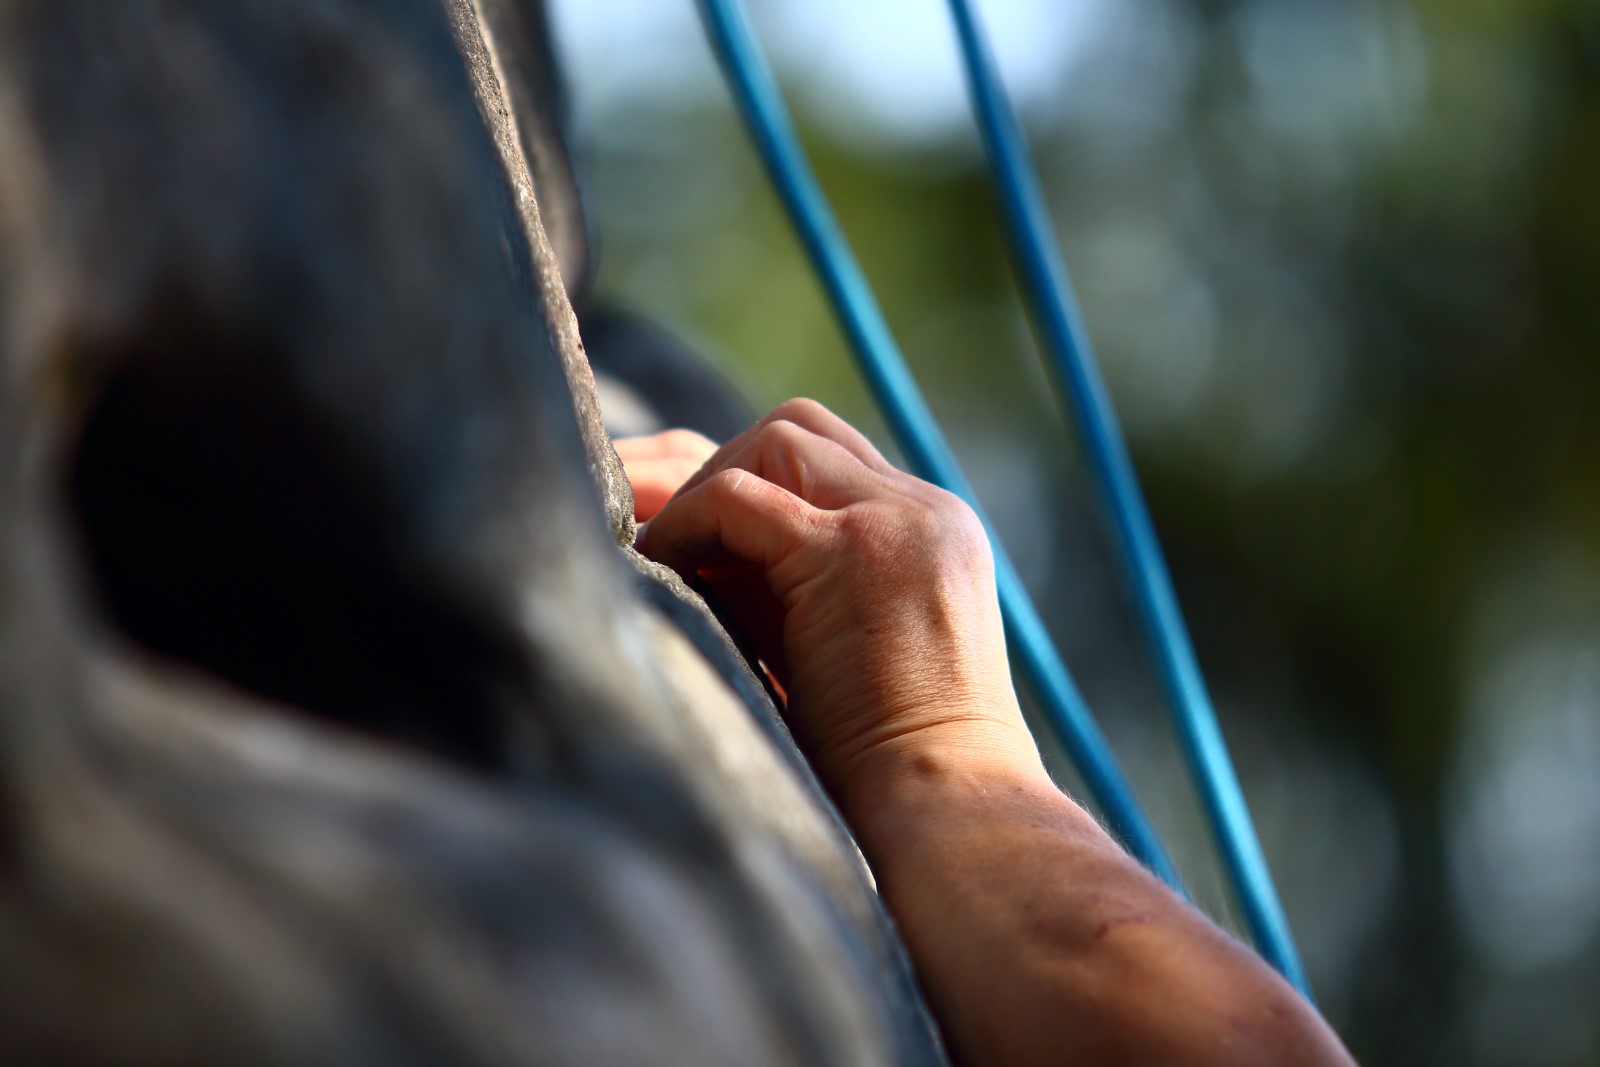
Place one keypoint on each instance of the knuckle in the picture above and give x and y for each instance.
(964, 533)
(800, 409)
(947, 522)
(727, 482)
(782, 432)
(785, 450)
(954, 511)
(951, 509)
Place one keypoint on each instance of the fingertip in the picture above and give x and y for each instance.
(689, 443)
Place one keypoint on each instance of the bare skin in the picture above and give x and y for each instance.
(871, 596)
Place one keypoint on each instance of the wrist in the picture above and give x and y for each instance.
(937, 772)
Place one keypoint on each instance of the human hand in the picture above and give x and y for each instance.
(869, 594)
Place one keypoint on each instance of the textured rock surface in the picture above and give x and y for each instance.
(507, 50)
(334, 725)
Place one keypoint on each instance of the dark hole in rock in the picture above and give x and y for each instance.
(227, 526)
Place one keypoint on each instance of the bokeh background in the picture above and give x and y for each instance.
(1342, 264)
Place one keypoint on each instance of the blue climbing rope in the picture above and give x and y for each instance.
(912, 423)
(1050, 296)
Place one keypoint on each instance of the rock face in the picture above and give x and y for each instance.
(338, 721)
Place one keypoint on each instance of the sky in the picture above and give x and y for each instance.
(892, 63)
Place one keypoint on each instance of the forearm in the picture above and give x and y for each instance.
(1040, 941)
(872, 596)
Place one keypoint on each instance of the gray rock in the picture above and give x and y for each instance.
(335, 725)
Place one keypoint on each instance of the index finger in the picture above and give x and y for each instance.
(808, 415)
(733, 516)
